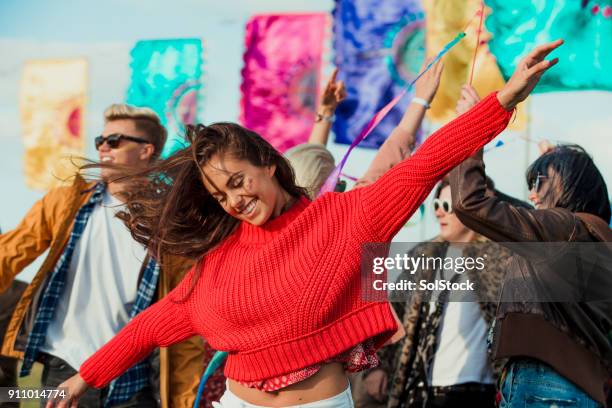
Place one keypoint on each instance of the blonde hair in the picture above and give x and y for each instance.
(145, 120)
(312, 164)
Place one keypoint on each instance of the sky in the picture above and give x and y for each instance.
(104, 33)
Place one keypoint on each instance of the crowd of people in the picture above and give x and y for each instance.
(228, 245)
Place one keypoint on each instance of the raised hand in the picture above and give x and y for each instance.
(333, 94)
(545, 146)
(427, 86)
(469, 97)
(526, 75)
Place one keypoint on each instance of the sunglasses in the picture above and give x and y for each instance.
(443, 205)
(537, 183)
(113, 141)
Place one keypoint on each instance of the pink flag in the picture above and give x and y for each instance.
(280, 78)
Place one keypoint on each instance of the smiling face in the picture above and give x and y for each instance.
(246, 192)
(128, 153)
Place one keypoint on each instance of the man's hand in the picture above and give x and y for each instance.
(527, 74)
(468, 98)
(375, 384)
(427, 86)
(75, 387)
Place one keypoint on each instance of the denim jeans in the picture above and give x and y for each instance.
(530, 383)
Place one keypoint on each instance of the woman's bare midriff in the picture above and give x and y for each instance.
(330, 381)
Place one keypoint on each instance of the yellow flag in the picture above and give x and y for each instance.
(446, 18)
(52, 105)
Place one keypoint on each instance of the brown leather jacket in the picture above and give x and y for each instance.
(47, 226)
(570, 337)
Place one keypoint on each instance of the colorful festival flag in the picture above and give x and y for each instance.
(52, 104)
(280, 78)
(166, 78)
(585, 60)
(444, 19)
(378, 48)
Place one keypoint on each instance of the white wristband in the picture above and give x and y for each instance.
(421, 101)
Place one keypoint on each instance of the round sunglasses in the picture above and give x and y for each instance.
(113, 141)
(443, 205)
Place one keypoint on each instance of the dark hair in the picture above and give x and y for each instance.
(168, 208)
(583, 188)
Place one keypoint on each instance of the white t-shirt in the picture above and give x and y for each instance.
(461, 355)
(101, 286)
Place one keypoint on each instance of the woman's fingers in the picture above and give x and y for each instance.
(333, 76)
(436, 71)
(541, 67)
(340, 91)
(439, 68)
(469, 95)
(540, 52)
(331, 83)
(472, 92)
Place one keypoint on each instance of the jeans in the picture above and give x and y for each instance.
(342, 400)
(530, 383)
(56, 371)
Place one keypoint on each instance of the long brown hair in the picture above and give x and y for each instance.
(169, 210)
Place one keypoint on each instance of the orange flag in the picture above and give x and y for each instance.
(52, 103)
(445, 18)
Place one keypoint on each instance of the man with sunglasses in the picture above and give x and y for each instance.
(95, 277)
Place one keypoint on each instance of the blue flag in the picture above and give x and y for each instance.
(378, 48)
(585, 60)
(166, 78)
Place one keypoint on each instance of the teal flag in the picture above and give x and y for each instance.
(166, 78)
(585, 60)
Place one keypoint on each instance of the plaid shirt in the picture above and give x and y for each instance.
(134, 379)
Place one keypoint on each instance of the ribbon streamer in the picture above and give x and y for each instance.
(477, 41)
(214, 363)
(330, 183)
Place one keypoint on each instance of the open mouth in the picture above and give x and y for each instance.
(249, 208)
(106, 159)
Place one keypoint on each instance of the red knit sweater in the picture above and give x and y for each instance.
(286, 295)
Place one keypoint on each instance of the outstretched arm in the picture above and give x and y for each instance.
(33, 235)
(389, 202)
(165, 323)
(401, 142)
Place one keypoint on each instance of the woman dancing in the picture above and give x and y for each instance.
(277, 283)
